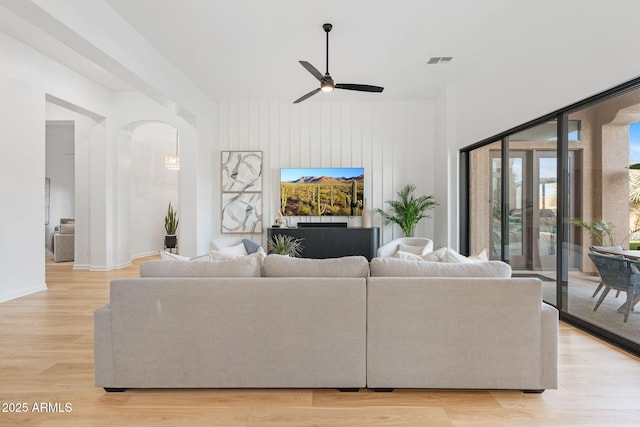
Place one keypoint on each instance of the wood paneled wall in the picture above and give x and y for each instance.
(393, 141)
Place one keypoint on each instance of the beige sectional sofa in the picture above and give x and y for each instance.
(340, 323)
(469, 332)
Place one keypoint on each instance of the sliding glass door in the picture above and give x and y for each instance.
(539, 196)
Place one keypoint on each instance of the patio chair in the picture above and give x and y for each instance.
(621, 274)
(604, 250)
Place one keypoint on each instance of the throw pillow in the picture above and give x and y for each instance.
(250, 246)
(417, 250)
(168, 256)
(436, 255)
(238, 249)
(407, 255)
(454, 257)
(221, 256)
(480, 257)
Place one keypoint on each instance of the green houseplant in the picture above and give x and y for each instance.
(409, 210)
(171, 227)
(282, 244)
(600, 231)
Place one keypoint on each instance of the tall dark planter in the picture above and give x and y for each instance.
(170, 241)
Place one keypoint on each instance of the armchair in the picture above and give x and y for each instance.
(420, 246)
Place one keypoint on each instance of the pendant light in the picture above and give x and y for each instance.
(172, 161)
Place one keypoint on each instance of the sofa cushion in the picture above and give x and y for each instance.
(286, 266)
(393, 267)
(242, 267)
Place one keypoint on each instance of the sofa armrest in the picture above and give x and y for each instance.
(63, 247)
(102, 348)
(549, 347)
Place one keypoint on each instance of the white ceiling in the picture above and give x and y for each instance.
(249, 49)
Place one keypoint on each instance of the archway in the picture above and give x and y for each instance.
(152, 186)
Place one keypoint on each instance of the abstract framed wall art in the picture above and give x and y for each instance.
(241, 171)
(241, 183)
(242, 212)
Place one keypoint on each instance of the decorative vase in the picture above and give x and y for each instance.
(366, 215)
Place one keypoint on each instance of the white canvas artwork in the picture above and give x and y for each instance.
(242, 212)
(241, 171)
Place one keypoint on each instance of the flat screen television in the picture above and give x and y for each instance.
(321, 191)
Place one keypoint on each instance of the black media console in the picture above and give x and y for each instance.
(333, 242)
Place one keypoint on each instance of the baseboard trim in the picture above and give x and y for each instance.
(144, 255)
(23, 292)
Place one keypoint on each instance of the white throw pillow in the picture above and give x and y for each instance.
(237, 250)
(417, 250)
(480, 257)
(407, 255)
(436, 255)
(454, 257)
(168, 256)
(221, 256)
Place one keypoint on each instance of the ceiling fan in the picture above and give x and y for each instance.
(326, 81)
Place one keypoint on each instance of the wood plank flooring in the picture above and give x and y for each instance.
(46, 363)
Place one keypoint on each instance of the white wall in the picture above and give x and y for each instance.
(60, 170)
(22, 129)
(152, 187)
(393, 141)
(84, 126)
(31, 79)
(583, 49)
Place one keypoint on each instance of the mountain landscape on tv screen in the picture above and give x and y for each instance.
(326, 180)
(322, 196)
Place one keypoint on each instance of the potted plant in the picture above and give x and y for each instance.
(171, 227)
(282, 244)
(409, 210)
(600, 230)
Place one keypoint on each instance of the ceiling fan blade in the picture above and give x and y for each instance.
(313, 70)
(309, 95)
(361, 88)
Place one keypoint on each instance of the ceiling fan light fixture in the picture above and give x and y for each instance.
(327, 84)
(172, 161)
(326, 81)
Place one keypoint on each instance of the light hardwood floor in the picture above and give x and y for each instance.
(46, 356)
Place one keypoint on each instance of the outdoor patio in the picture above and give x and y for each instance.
(581, 302)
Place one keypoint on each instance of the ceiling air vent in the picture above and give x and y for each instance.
(439, 60)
